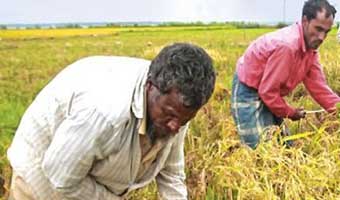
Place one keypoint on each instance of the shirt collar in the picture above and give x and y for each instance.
(142, 127)
(302, 39)
(138, 105)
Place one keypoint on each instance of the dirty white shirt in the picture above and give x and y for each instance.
(79, 140)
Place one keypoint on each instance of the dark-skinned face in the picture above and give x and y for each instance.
(315, 30)
(166, 112)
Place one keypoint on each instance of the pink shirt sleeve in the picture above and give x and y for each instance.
(316, 84)
(276, 72)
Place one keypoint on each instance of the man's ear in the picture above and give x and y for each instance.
(148, 85)
(304, 20)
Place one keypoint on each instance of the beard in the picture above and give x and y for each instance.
(155, 132)
(316, 44)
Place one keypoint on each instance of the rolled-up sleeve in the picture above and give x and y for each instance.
(316, 84)
(171, 179)
(71, 154)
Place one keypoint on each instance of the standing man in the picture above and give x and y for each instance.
(273, 65)
(108, 125)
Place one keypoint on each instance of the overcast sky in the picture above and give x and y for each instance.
(59, 11)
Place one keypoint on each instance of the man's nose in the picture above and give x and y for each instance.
(173, 125)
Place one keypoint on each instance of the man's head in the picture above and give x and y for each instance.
(317, 21)
(181, 79)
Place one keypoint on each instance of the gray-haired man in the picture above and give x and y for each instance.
(107, 125)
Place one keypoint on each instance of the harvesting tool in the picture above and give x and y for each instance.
(314, 111)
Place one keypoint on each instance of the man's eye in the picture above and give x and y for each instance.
(319, 29)
(169, 113)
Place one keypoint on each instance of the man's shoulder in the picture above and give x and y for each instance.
(119, 63)
(118, 59)
(287, 38)
(292, 37)
(110, 84)
(96, 70)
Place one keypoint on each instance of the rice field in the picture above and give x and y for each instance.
(217, 165)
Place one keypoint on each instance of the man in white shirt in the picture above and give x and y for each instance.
(107, 125)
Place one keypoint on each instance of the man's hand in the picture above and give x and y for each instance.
(335, 111)
(299, 114)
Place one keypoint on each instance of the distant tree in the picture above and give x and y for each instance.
(243, 24)
(72, 26)
(281, 25)
(3, 27)
(198, 23)
(112, 25)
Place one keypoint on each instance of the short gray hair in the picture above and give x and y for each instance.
(186, 67)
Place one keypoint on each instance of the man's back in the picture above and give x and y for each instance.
(98, 83)
(251, 65)
(97, 91)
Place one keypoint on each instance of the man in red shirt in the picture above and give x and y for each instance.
(273, 65)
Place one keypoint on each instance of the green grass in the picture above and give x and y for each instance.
(217, 166)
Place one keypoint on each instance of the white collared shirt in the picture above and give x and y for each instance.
(79, 138)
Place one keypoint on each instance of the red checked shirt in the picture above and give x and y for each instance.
(277, 62)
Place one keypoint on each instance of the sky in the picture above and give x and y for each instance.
(63, 11)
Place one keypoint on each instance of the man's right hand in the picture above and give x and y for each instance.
(299, 114)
